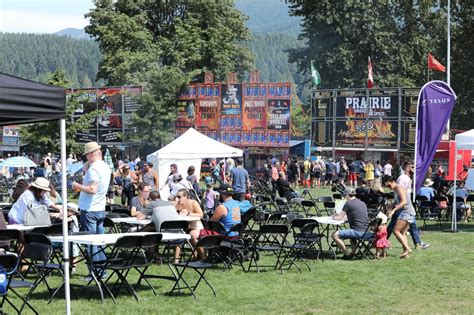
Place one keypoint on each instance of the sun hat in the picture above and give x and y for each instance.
(41, 183)
(383, 217)
(91, 147)
(73, 207)
(428, 182)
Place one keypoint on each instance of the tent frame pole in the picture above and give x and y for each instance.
(64, 213)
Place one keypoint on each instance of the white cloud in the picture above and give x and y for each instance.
(14, 21)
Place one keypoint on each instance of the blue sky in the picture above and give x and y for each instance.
(42, 16)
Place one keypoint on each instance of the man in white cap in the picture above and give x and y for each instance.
(93, 191)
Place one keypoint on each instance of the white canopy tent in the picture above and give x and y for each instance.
(464, 141)
(188, 150)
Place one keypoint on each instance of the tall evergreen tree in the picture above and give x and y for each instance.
(146, 41)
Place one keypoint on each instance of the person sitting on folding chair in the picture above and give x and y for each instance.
(228, 212)
(357, 216)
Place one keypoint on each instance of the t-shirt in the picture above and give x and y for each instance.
(330, 168)
(239, 176)
(148, 209)
(427, 192)
(405, 181)
(135, 202)
(306, 166)
(99, 172)
(387, 169)
(164, 213)
(356, 212)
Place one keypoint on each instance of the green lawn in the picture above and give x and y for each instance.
(435, 280)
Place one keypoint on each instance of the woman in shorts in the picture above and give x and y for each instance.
(407, 215)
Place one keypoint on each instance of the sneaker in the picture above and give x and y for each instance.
(422, 246)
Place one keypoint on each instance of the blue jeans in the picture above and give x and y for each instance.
(414, 232)
(93, 222)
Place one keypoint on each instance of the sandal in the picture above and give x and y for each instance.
(405, 254)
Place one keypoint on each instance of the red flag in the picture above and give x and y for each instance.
(370, 80)
(434, 64)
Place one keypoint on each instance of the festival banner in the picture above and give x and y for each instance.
(435, 104)
(380, 133)
(130, 101)
(278, 114)
(231, 101)
(271, 90)
(359, 106)
(207, 114)
(254, 116)
(87, 99)
(186, 114)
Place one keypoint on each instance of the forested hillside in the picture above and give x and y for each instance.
(35, 56)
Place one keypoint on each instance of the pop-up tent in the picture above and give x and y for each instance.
(24, 101)
(464, 141)
(188, 150)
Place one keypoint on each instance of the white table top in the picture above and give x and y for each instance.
(108, 239)
(189, 219)
(328, 220)
(131, 220)
(21, 227)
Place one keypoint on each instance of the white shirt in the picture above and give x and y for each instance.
(387, 169)
(99, 172)
(17, 212)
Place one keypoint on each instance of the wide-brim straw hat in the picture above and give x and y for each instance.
(91, 147)
(428, 182)
(41, 183)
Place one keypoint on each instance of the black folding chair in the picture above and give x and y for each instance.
(149, 251)
(54, 263)
(310, 208)
(175, 226)
(307, 232)
(295, 205)
(39, 255)
(365, 243)
(429, 210)
(110, 226)
(328, 204)
(120, 261)
(208, 243)
(12, 240)
(232, 248)
(270, 238)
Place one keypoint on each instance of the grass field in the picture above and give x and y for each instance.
(436, 280)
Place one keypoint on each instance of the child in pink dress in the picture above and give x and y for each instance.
(381, 241)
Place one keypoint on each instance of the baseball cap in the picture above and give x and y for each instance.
(349, 191)
(226, 189)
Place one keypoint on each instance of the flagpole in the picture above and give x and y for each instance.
(448, 66)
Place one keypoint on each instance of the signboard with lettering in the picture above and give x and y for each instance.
(278, 114)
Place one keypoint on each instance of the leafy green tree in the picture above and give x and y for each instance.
(162, 45)
(45, 137)
(462, 66)
(341, 35)
(397, 35)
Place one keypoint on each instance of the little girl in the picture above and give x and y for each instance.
(381, 241)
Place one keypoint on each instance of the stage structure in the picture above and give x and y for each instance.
(364, 120)
(254, 116)
(119, 103)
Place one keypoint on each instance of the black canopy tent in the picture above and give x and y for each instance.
(23, 101)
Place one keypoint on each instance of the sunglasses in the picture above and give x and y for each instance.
(178, 197)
